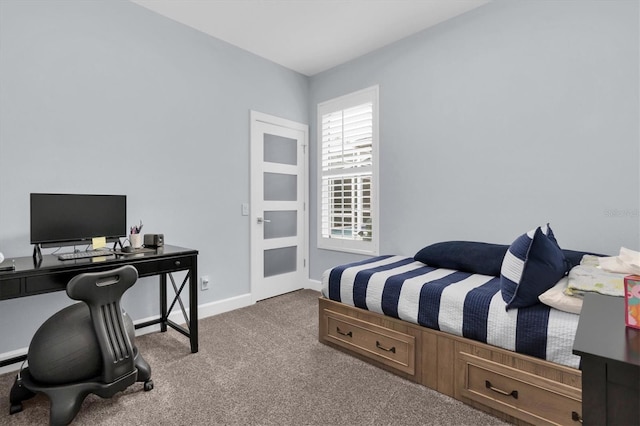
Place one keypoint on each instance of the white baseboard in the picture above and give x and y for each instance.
(226, 305)
(12, 354)
(314, 285)
(204, 310)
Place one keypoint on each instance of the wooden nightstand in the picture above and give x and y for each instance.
(610, 365)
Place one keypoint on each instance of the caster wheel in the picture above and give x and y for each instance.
(148, 385)
(15, 408)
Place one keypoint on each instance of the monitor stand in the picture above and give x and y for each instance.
(37, 251)
(37, 254)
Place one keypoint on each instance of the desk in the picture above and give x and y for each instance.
(50, 274)
(610, 365)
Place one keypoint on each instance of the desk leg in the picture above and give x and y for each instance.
(193, 306)
(163, 302)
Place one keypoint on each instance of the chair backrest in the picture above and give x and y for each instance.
(102, 292)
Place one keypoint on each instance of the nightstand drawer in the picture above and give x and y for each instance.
(389, 347)
(533, 398)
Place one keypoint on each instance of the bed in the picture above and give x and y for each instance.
(449, 320)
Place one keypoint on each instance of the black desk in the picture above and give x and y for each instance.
(50, 274)
(610, 365)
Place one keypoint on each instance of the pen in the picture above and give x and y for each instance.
(136, 229)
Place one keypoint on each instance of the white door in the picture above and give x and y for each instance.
(278, 216)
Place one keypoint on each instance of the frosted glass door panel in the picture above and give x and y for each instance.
(280, 261)
(278, 149)
(279, 195)
(280, 224)
(280, 187)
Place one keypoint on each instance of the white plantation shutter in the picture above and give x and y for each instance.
(347, 132)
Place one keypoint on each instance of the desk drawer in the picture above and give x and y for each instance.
(9, 288)
(175, 264)
(167, 265)
(384, 345)
(44, 283)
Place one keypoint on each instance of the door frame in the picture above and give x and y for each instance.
(254, 251)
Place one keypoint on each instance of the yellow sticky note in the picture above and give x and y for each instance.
(98, 242)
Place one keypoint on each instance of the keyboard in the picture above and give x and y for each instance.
(84, 254)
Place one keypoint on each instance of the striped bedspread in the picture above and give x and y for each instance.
(459, 303)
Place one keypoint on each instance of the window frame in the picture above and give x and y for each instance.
(370, 94)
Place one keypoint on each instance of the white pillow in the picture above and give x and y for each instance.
(628, 262)
(556, 298)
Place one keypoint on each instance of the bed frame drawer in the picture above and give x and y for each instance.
(526, 396)
(547, 393)
(390, 347)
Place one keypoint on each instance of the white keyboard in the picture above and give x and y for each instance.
(84, 254)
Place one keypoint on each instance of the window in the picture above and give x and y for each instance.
(348, 164)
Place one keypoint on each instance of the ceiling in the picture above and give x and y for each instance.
(310, 36)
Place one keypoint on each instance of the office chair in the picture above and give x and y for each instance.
(84, 348)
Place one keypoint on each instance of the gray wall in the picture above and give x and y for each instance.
(108, 97)
(508, 117)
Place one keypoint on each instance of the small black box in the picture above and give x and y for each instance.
(153, 240)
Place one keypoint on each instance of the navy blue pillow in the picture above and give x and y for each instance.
(467, 256)
(533, 264)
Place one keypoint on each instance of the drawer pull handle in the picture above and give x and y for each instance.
(348, 333)
(177, 263)
(513, 393)
(576, 417)
(392, 349)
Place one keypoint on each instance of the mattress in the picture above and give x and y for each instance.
(459, 303)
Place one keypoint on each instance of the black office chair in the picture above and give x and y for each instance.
(84, 348)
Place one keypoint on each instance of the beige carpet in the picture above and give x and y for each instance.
(260, 365)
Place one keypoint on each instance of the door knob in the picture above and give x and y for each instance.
(261, 220)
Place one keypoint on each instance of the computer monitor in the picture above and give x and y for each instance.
(68, 219)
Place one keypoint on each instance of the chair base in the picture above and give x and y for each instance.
(66, 399)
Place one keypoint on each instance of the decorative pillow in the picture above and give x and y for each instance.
(533, 264)
(467, 256)
(556, 298)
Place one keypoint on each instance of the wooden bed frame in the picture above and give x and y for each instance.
(517, 388)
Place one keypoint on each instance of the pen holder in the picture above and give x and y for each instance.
(135, 240)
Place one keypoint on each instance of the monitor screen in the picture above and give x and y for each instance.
(68, 218)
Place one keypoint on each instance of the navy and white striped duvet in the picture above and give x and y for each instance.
(459, 303)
